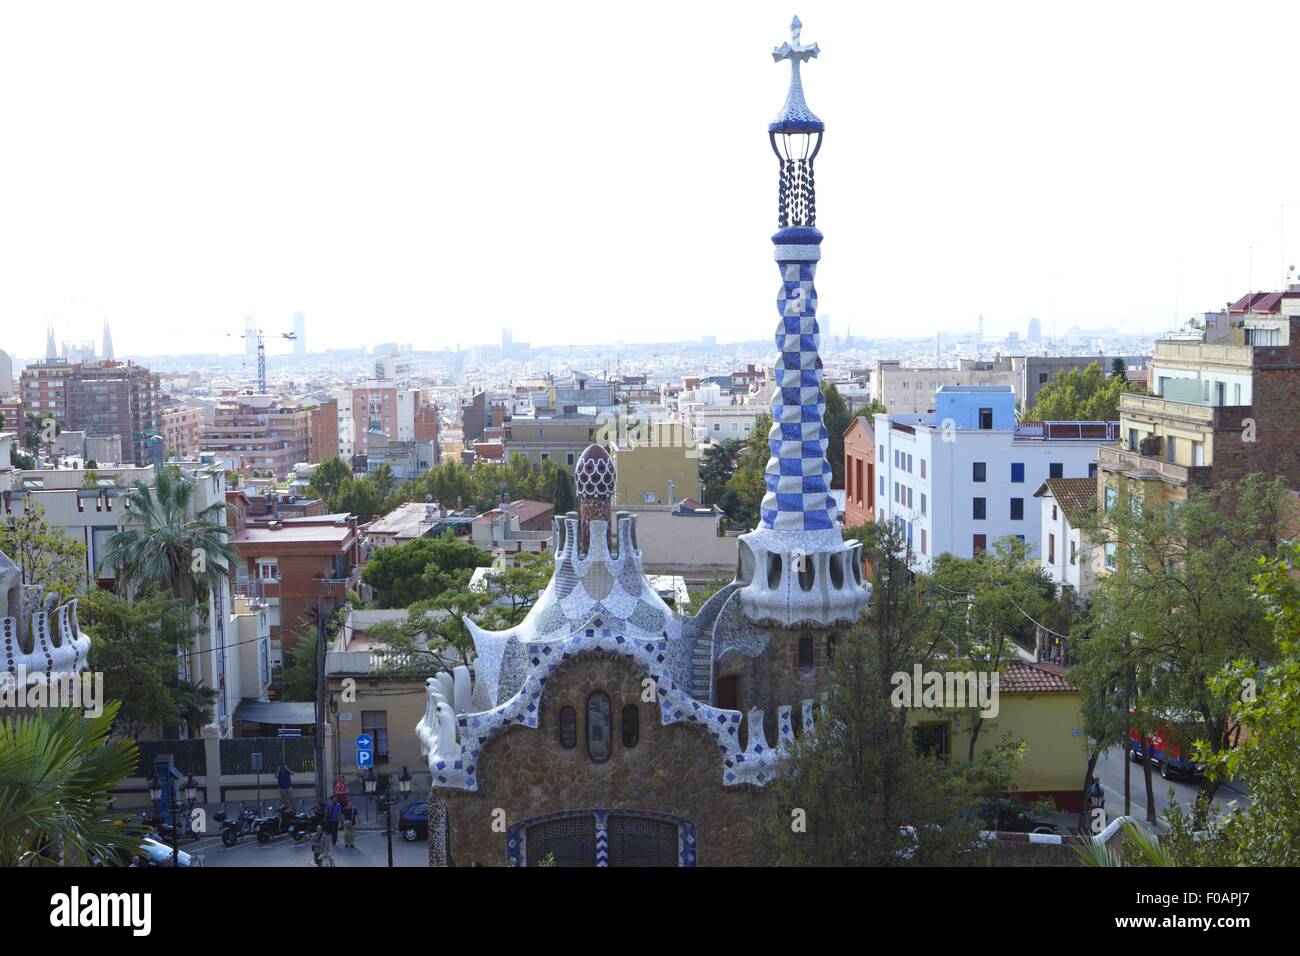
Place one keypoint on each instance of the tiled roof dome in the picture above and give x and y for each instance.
(593, 475)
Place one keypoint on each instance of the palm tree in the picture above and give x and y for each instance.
(56, 769)
(187, 556)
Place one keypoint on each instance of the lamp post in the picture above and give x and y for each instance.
(385, 805)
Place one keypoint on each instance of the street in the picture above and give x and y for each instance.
(371, 850)
(1110, 768)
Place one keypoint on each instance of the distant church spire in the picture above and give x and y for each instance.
(51, 350)
(108, 342)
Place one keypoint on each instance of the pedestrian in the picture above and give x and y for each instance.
(349, 815)
(319, 848)
(1098, 794)
(333, 812)
(341, 791)
(284, 778)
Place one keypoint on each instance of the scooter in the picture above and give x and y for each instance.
(270, 826)
(233, 829)
(304, 824)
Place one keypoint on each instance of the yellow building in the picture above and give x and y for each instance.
(560, 438)
(647, 466)
(1036, 704)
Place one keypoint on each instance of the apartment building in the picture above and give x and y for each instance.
(560, 438)
(294, 564)
(958, 479)
(1226, 404)
(257, 433)
(180, 426)
(323, 436)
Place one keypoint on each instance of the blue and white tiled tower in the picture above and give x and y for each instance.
(796, 567)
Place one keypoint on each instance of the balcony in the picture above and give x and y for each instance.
(1114, 458)
(1134, 404)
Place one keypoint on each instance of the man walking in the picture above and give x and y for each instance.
(333, 814)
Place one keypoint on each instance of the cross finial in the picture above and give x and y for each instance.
(795, 51)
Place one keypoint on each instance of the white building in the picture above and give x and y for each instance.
(958, 479)
(1066, 551)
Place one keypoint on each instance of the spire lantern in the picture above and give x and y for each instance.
(796, 137)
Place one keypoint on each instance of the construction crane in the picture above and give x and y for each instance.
(261, 352)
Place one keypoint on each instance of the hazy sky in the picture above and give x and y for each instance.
(585, 172)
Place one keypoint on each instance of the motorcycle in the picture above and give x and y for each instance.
(271, 826)
(234, 828)
(303, 824)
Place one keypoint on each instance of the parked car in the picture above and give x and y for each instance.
(152, 853)
(413, 823)
(1012, 817)
(1165, 749)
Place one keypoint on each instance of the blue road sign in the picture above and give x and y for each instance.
(364, 742)
(365, 758)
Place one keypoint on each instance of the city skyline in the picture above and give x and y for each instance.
(337, 168)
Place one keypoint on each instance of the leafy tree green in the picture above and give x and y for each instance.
(717, 465)
(744, 492)
(328, 477)
(57, 768)
(45, 555)
(1086, 394)
(837, 419)
(418, 570)
(1179, 605)
(299, 673)
(135, 647)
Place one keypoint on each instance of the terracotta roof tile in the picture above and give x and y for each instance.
(1024, 677)
(1076, 496)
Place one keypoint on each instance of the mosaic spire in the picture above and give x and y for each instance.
(798, 474)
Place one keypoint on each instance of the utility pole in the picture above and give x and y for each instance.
(321, 793)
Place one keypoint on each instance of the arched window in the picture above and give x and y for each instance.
(830, 648)
(599, 727)
(631, 725)
(568, 728)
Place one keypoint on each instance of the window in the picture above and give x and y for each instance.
(1132, 439)
(568, 728)
(909, 497)
(830, 647)
(599, 736)
(1056, 470)
(1110, 555)
(923, 551)
(1017, 472)
(978, 507)
(375, 723)
(979, 544)
(1042, 378)
(931, 740)
(1074, 553)
(986, 418)
(1171, 444)
(569, 458)
(805, 651)
(882, 453)
(882, 486)
(649, 497)
(979, 471)
(896, 454)
(631, 725)
(1111, 497)
(1017, 509)
(923, 503)
(1051, 549)
(1053, 512)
